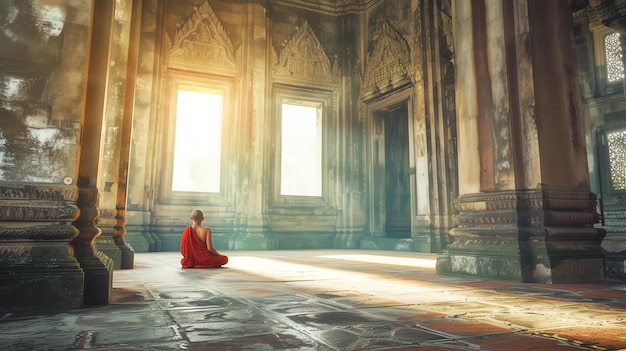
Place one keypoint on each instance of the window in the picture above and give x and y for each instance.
(613, 56)
(616, 148)
(197, 140)
(301, 148)
(196, 133)
(300, 129)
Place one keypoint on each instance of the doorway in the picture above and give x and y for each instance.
(393, 170)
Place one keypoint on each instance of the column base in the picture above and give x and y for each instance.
(136, 239)
(38, 270)
(525, 262)
(128, 254)
(106, 244)
(98, 279)
(41, 290)
(534, 236)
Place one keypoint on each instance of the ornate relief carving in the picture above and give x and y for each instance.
(31, 231)
(201, 44)
(32, 211)
(37, 211)
(518, 209)
(446, 27)
(87, 203)
(332, 8)
(388, 66)
(533, 199)
(40, 191)
(304, 59)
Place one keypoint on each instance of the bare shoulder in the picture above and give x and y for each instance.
(202, 232)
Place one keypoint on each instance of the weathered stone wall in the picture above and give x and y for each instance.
(43, 68)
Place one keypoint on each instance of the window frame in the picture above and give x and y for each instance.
(602, 76)
(308, 97)
(319, 111)
(604, 160)
(201, 82)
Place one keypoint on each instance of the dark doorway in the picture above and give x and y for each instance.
(397, 172)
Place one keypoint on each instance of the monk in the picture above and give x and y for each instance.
(196, 246)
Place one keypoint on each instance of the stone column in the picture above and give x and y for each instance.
(435, 202)
(525, 210)
(252, 228)
(97, 266)
(42, 81)
(140, 170)
(351, 187)
(113, 170)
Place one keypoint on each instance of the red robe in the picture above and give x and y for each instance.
(195, 253)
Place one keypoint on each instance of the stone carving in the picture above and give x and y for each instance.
(201, 44)
(526, 208)
(331, 8)
(87, 203)
(37, 202)
(25, 211)
(23, 231)
(388, 65)
(30, 191)
(446, 28)
(528, 199)
(305, 60)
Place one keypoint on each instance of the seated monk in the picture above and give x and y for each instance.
(196, 246)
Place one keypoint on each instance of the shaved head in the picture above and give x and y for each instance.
(197, 215)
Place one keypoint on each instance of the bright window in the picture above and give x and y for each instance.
(616, 144)
(196, 166)
(613, 53)
(301, 149)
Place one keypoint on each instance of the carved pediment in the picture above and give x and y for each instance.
(201, 44)
(388, 65)
(304, 59)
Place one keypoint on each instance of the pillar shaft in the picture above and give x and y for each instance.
(113, 176)
(252, 228)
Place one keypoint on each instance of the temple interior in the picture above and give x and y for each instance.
(486, 137)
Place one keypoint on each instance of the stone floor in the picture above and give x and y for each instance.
(326, 300)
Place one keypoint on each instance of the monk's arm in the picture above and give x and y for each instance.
(209, 243)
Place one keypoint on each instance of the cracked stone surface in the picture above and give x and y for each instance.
(326, 300)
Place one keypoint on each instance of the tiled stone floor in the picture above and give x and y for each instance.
(326, 300)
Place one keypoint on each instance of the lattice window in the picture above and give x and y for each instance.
(613, 53)
(616, 143)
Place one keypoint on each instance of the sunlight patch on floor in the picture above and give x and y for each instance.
(396, 261)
